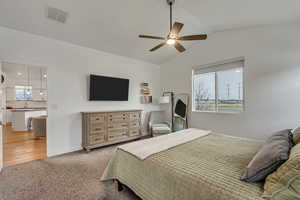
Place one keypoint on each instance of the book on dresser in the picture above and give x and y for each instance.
(109, 127)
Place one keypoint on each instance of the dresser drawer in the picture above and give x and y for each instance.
(97, 128)
(134, 132)
(97, 118)
(117, 120)
(134, 124)
(117, 115)
(95, 139)
(117, 137)
(96, 133)
(116, 126)
(117, 133)
(134, 116)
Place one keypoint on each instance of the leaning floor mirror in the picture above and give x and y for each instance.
(180, 108)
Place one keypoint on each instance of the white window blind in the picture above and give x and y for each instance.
(219, 66)
(219, 87)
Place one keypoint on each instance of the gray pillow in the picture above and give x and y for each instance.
(273, 153)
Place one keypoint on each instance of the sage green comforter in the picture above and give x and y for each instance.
(207, 168)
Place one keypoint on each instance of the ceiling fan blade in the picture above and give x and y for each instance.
(179, 47)
(152, 37)
(193, 37)
(158, 46)
(176, 29)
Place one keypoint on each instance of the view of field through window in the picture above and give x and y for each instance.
(220, 91)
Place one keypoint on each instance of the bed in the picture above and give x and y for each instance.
(207, 168)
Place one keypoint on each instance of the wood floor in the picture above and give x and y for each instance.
(20, 147)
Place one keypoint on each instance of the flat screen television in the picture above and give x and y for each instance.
(103, 88)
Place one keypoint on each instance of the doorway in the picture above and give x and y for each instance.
(25, 113)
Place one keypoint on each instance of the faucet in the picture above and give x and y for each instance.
(26, 104)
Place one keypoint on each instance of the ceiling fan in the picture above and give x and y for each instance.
(172, 38)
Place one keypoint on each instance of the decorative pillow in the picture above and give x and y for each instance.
(274, 152)
(296, 135)
(284, 184)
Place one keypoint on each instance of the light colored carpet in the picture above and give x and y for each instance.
(73, 176)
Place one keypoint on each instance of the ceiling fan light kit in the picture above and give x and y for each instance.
(172, 38)
(171, 41)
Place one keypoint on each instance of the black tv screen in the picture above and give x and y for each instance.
(103, 88)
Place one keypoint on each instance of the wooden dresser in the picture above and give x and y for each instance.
(110, 127)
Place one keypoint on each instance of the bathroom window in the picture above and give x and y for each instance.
(23, 92)
(219, 88)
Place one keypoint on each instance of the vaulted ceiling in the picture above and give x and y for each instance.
(114, 25)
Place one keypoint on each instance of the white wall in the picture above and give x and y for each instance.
(272, 78)
(68, 67)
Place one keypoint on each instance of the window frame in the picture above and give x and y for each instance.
(217, 67)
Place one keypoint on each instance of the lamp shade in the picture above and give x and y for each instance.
(164, 100)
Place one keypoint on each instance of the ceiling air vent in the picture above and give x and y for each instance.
(56, 14)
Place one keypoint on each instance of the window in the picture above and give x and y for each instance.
(219, 88)
(23, 92)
